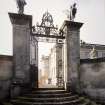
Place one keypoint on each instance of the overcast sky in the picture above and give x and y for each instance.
(90, 12)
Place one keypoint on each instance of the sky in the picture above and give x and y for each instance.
(90, 12)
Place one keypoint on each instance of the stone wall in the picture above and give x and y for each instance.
(5, 75)
(92, 78)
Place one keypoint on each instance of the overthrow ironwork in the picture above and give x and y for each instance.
(46, 31)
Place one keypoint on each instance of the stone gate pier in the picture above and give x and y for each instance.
(22, 69)
(72, 54)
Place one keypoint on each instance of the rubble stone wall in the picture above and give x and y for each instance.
(6, 75)
(92, 78)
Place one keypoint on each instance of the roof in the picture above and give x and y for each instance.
(90, 46)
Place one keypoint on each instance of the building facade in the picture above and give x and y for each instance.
(86, 48)
(52, 66)
(44, 71)
(57, 67)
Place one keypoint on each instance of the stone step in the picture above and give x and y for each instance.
(29, 103)
(48, 91)
(47, 95)
(54, 99)
(86, 103)
(73, 102)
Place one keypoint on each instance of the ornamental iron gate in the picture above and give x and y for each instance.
(47, 32)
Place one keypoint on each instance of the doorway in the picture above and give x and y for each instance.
(50, 53)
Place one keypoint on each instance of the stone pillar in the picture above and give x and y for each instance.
(21, 47)
(72, 38)
(59, 66)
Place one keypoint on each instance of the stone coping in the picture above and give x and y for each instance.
(19, 16)
(97, 60)
(6, 57)
(71, 24)
(90, 46)
(15, 18)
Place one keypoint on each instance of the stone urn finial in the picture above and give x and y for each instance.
(20, 6)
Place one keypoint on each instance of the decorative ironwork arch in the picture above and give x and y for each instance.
(46, 31)
(47, 20)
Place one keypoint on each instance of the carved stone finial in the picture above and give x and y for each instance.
(20, 6)
(73, 11)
